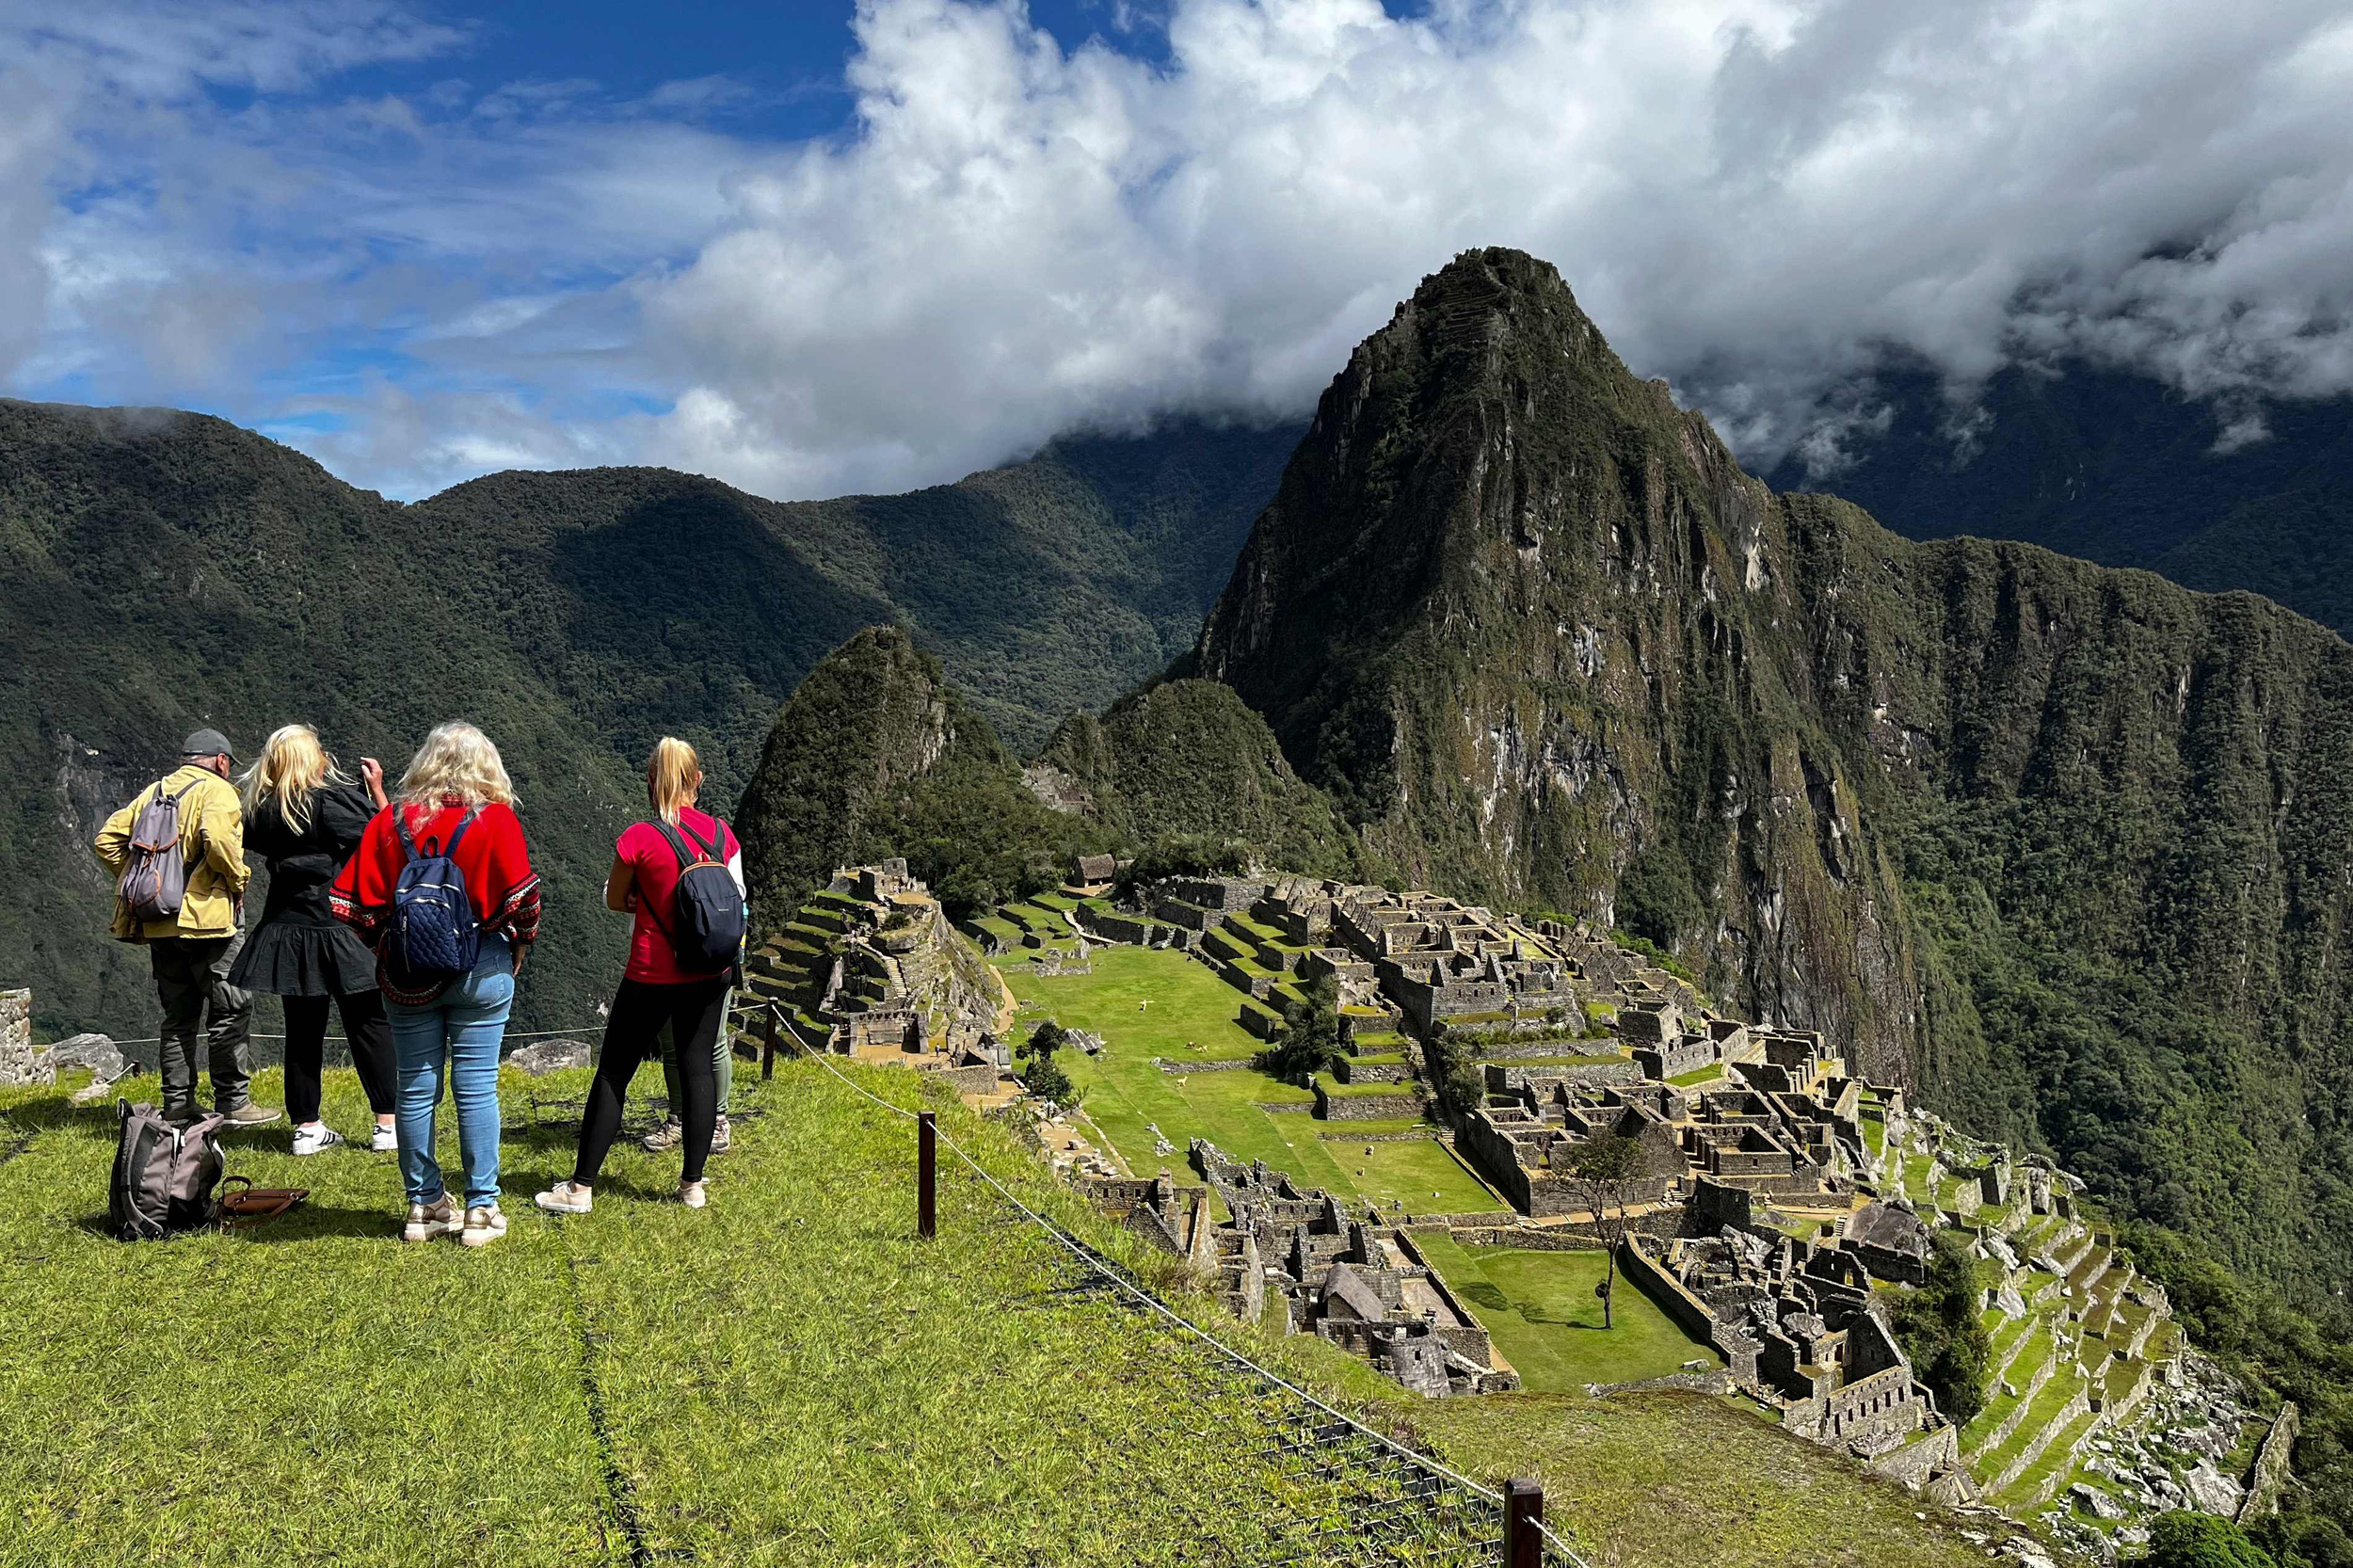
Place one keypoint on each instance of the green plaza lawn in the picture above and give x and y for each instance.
(1191, 1018)
(786, 1378)
(1542, 1312)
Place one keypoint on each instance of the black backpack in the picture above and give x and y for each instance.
(164, 1175)
(708, 919)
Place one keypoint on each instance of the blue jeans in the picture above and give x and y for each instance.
(459, 1032)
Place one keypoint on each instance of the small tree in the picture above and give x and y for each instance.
(1310, 1039)
(1942, 1331)
(1603, 1171)
(1046, 1077)
(2182, 1539)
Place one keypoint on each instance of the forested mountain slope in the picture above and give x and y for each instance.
(2117, 469)
(2064, 846)
(168, 570)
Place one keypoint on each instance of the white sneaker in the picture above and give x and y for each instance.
(483, 1226)
(691, 1194)
(313, 1139)
(428, 1219)
(384, 1139)
(566, 1198)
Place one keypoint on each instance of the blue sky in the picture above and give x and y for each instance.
(812, 249)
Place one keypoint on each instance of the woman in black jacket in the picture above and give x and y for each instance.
(304, 818)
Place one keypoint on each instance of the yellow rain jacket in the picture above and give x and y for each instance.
(212, 835)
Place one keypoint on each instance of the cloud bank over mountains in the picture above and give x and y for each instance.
(1201, 212)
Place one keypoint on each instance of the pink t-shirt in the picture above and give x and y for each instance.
(649, 856)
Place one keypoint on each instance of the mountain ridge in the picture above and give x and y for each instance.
(169, 570)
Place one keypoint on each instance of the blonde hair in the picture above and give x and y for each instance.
(457, 760)
(673, 774)
(290, 769)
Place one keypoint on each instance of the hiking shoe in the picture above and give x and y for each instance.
(315, 1140)
(384, 1139)
(719, 1139)
(565, 1197)
(691, 1194)
(666, 1136)
(249, 1115)
(428, 1219)
(483, 1226)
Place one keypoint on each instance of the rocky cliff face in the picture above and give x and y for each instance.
(2063, 846)
(1538, 632)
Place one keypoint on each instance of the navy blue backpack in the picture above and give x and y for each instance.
(435, 930)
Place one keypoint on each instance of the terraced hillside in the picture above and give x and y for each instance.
(2097, 1405)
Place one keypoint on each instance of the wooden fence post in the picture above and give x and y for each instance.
(768, 1049)
(1523, 1511)
(926, 1175)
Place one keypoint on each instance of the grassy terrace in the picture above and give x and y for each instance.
(1125, 1092)
(1540, 1310)
(2031, 1480)
(786, 1378)
(2040, 1413)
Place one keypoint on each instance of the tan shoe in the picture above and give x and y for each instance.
(428, 1219)
(567, 1197)
(691, 1194)
(483, 1226)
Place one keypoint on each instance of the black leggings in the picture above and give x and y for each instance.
(633, 1032)
(371, 1040)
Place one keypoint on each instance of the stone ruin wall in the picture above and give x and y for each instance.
(19, 1062)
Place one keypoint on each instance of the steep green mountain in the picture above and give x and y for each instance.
(2062, 846)
(2118, 469)
(168, 570)
(1187, 760)
(876, 755)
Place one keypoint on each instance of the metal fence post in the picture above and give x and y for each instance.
(768, 1049)
(926, 1173)
(1523, 1511)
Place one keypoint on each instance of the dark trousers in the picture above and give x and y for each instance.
(632, 1031)
(192, 982)
(371, 1041)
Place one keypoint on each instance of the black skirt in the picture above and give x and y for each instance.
(295, 959)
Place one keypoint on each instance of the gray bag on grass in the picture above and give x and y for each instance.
(164, 1175)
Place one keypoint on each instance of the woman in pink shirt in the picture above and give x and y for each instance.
(655, 990)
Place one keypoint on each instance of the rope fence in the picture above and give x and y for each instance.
(1391, 1498)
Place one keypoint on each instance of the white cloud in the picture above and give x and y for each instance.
(1757, 199)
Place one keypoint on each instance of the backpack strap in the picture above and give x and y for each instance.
(408, 840)
(678, 845)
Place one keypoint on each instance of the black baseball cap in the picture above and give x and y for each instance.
(208, 742)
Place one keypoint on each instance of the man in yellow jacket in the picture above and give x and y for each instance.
(193, 949)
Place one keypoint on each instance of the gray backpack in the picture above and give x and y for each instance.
(164, 1175)
(154, 880)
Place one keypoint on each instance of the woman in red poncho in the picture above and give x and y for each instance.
(455, 801)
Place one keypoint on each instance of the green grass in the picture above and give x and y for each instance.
(787, 1377)
(1698, 1076)
(1682, 1479)
(1125, 1092)
(1541, 1310)
(2040, 1413)
(2052, 1459)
